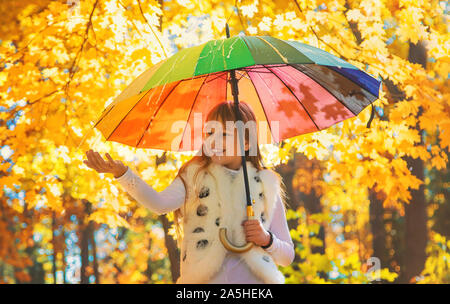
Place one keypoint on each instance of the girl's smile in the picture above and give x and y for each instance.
(222, 146)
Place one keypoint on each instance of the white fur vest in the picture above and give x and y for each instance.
(216, 200)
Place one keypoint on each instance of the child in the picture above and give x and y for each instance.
(208, 193)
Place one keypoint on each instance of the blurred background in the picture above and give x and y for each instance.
(365, 205)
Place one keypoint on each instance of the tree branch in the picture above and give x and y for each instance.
(240, 18)
(151, 28)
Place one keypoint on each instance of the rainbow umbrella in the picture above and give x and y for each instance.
(302, 88)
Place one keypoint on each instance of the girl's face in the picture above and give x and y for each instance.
(222, 146)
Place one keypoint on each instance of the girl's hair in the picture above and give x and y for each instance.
(222, 112)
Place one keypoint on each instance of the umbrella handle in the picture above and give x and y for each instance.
(230, 246)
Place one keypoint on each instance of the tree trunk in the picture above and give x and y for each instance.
(376, 219)
(311, 200)
(161, 4)
(2, 273)
(174, 255)
(84, 244)
(416, 225)
(54, 241)
(64, 264)
(94, 251)
(313, 206)
(416, 212)
(84, 252)
(148, 271)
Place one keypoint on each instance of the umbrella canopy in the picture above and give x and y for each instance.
(292, 87)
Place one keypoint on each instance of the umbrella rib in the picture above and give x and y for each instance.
(254, 67)
(242, 74)
(156, 112)
(220, 75)
(262, 106)
(294, 96)
(191, 78)
(125, 114)
(190, 111)
(101, 117)
(329, 92)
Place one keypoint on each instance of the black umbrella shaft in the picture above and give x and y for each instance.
(235, 92)
(234, 89)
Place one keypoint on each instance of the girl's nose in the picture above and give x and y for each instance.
(209, 142)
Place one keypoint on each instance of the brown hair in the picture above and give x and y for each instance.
(223, 112)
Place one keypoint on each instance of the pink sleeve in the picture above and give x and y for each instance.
(282, 248)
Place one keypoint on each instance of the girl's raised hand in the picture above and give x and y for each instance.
(95, 161)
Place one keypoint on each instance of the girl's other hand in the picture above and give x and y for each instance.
(255, 232)
(95, 161)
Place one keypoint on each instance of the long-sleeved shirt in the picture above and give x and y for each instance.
(234, 270)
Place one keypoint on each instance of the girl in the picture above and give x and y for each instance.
(208, 193)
